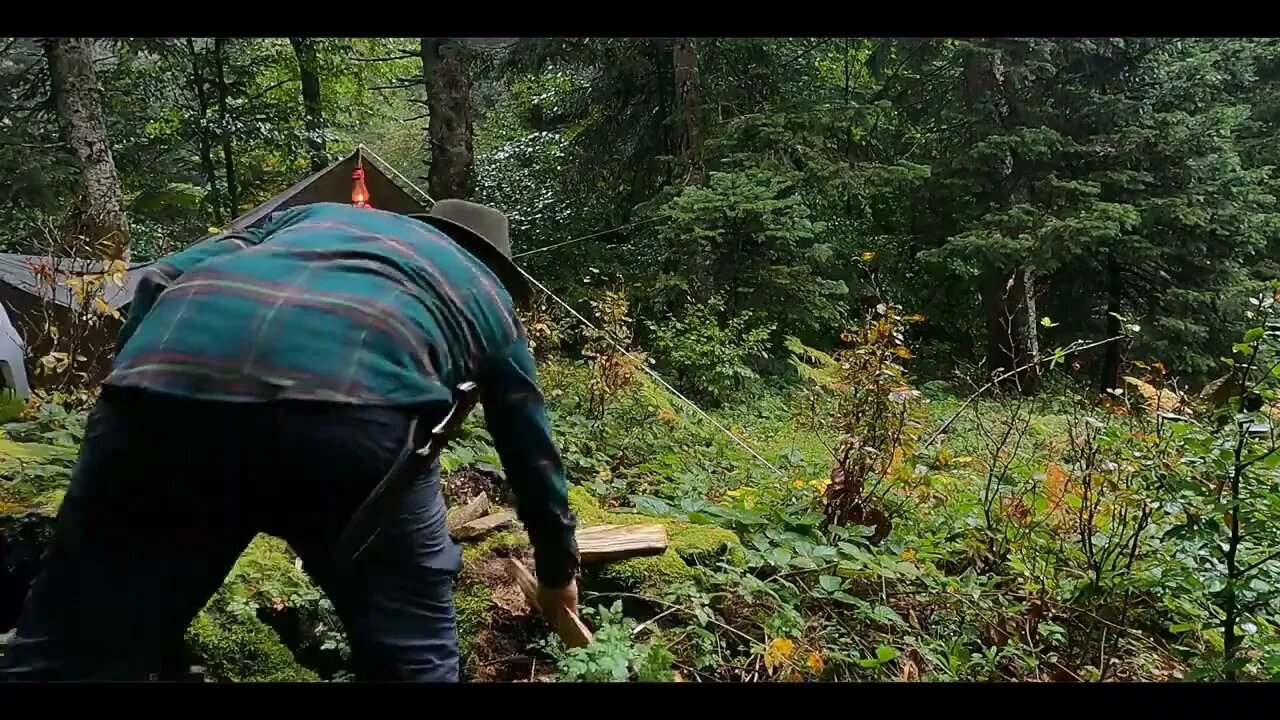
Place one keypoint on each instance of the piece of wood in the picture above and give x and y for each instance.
(572, 630)
(473, 510)
(610, 543)
(484, 525)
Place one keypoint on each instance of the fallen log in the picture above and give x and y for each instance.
(473, 510)
(481, 526)
(611, 543)
(572, 630)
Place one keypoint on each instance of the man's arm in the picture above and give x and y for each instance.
(516, 418)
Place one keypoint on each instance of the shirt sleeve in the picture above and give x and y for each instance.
(515, 415)
(164, 272)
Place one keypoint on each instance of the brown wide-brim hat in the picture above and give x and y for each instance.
(484, 232)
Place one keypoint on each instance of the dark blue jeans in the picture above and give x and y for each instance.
(168, 492)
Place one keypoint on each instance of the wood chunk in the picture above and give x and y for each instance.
(484, 525)
(473, 510)
(572, 630)
(610, 543)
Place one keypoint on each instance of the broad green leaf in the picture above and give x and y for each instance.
(780, 556)
(830, 583)
(885, 653)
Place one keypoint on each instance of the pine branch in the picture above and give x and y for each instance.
(405, 54)
(262, 92)
(401, 84)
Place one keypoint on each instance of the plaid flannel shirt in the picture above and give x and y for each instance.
(332, 303)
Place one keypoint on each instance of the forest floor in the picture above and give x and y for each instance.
(1025, 543)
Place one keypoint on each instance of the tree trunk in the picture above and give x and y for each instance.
(203, 135)
(1111, 363)
(308, 69)
(1009, 306)
(449, 131)
(688, 138)
(98, 215)
(228, 155)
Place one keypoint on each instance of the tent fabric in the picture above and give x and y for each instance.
(332, 184)
(19, 271)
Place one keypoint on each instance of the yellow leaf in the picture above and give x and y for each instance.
(1055, 481)
(909, 554)
(902, 352)
(896, 462)
(778, 652)
(815, 663)
(962, 460)
(868, 256)
(101, 306)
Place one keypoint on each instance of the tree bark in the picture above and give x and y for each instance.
(449, 130)
(308, 70)
(98, 215)
(204, 140)
(1010, 309)
(228, 155)
(688, 126)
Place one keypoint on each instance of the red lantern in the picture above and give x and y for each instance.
(359, 193)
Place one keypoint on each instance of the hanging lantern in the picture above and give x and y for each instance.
(359, 193)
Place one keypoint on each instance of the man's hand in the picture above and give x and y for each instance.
(558, 604)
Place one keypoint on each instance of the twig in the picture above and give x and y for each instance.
(1260, 563)
(995, 381)
(401, 84)
(636, 630)
(405, 55)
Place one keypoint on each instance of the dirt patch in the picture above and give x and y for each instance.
(504, 648)
(464, 485)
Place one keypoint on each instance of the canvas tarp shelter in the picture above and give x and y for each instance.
(31, 302)
(332, 184)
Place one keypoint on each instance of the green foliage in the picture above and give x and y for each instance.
(613, 656)
(236, 648)
(709, 357)
(749, 236)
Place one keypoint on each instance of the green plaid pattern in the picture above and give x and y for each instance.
(333, 303)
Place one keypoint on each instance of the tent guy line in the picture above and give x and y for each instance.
(655, 376)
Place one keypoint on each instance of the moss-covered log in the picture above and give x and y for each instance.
(238, 647)
(691, 546)
(266, 583)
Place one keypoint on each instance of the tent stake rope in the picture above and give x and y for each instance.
(655, 376)
(588, 237)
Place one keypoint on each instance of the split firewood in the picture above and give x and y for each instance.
(481, 526)
(572, 631)
(473, 510)
(610, 543)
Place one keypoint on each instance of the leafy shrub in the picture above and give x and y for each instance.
(613, 656)
(710, 358)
